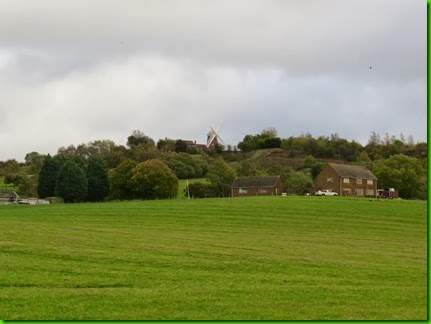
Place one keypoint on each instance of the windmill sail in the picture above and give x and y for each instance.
(213, 138)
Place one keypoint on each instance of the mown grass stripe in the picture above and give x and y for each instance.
(252, 258)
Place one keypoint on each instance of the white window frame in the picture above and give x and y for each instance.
(358, 181)
(370, 182)
(242, 191)
(346, 180)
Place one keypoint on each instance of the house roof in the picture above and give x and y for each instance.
(353, 171)
(8, 194)
(255, 182)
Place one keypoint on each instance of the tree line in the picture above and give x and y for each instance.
(144, 169)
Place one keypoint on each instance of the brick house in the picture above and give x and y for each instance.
(347, 180)
(257, 186)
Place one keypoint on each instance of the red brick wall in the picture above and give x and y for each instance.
(322, 179)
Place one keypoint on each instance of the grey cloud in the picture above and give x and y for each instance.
(318, 37)
(76, 71)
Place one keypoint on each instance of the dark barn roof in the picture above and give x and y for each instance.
(8, 194)
(255, 182)
(353, 171)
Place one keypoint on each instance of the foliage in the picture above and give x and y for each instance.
(249, 143)
(35, 161)
(119, 180)
(269, 142)
(141, 146)
(138, 138)
(71, 183)
(221, 176)
(261, 154)
(48, 176)
(298, 179)
(269, 258)
(186, 166)
(28, 186)
(97, 177)
(408, 175)
(180, 146)
(200, 190)
(316, 168)
(9, 166)
(153, 179)
(247, 168)
(13, 178)
(166, 145)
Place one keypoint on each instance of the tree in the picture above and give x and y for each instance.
(185, 165)
(166, 145)
(269, 132)
(138, 138)
(405, 174)
(119, 181)
(28, 186)
(180, 146)
(249, 143)
(48, 176)
(221, 176)
(98, 183)
(298, 179)
(153, 179)
(71, 183)
(269, 142)
(247, 169)
(34, 161)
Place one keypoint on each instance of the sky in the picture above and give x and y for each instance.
(73, 72)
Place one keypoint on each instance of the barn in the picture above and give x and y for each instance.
(257, 186)
(347, 180)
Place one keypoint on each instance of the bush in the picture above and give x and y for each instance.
(153, 179)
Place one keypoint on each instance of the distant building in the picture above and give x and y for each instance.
(9, 197)
(257, 186)
(347, 180)
(193, 144)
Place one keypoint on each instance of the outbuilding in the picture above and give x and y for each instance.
(257, 186)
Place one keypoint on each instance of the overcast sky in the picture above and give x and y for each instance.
(75, 71)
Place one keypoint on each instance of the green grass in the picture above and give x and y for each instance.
(246, 258)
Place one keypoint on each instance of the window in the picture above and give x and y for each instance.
(370, 182)
(358, 181)
(359, 192)
(262, 190)
(329, 180)
(370, 192)
(242, 190)
(346, 180)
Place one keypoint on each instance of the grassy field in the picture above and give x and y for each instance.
(246, 258)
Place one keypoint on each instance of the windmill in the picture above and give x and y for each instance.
(213, 138)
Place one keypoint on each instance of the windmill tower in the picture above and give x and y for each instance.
(213, 138)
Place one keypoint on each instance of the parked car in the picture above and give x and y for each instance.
(326, 192)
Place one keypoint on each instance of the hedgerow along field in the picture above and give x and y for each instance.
(245, 258)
